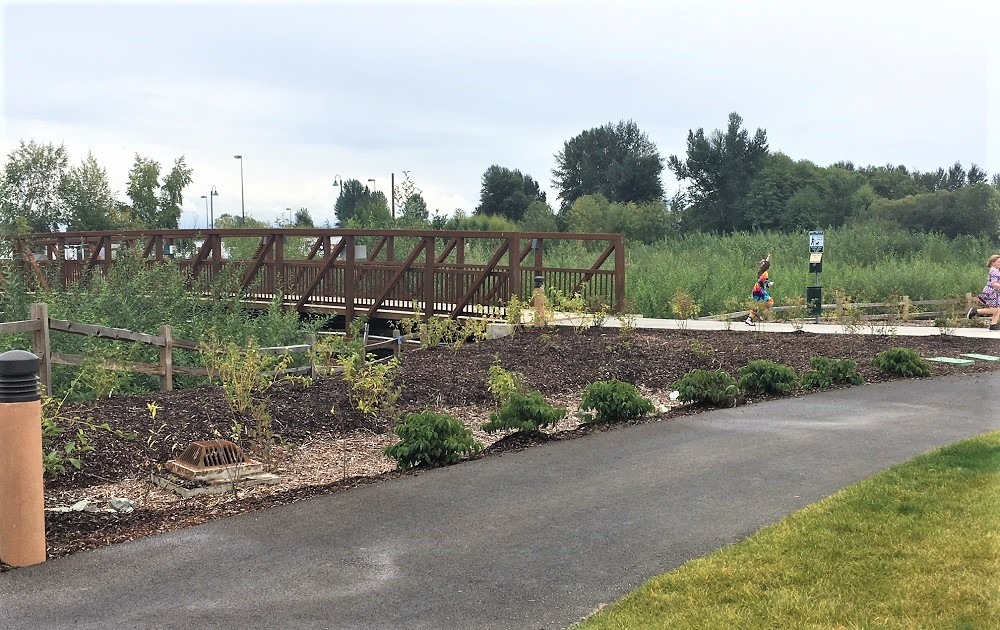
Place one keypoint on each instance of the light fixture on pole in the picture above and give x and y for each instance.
(208, 217)
(338, 182)
(211, 208)
(373, 183)
(243, 207)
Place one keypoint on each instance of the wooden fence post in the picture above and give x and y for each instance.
(311, 340)
(41, 345)
(906, 308)
(167, 359)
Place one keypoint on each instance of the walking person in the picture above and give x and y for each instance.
(761, 297)
(989, 297)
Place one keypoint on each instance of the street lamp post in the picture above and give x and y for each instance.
(243, 207)
(208, 217)
(373, 183)
(211, 207)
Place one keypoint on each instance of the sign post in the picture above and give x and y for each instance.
(814, 293)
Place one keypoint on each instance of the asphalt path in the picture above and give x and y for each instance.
(535, 539)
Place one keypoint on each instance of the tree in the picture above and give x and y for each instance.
(615, 160)
(956, 177)
(29, 187)
(539, 217)
(155, 206)
(720, 169)
(87, 199)
(975, 175)
(372, 214)
(648, 222)
(413, 213)
(507, 193)
(353, 194)
(303, 219)
(891, 182)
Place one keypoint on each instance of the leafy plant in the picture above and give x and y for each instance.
(431, 439)
(501, 382)
(684, 307)
(373, 387)
(712, 387)
(527, 412)
(902, 361)
(847, 314)
(763, 376)
(614, 401)
(66, 438)
(827, 372)
(245, 374)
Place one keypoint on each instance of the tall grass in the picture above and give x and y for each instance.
(866, 265)
(142, 297)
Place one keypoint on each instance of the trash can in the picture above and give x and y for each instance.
(814, 298)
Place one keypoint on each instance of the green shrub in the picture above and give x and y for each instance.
(524, 412)
(902, 361)
(614, 401)
(713, 387)
(829, 372)
(502, 382)
(763, 376)
(431, 439)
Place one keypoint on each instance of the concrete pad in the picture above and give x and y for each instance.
(952, 361)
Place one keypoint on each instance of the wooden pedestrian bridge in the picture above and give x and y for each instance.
(380, 274)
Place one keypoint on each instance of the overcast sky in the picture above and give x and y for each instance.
(443, 90)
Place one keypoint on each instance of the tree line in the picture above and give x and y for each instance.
(609, 179)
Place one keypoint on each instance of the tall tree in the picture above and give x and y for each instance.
(353, 194)
(303, 219)
(172, 195)
(616, 160)
(720, 169)
(413, 213)
(87, 198)
(956, 177)
(890, 181)
(975, 175)
(29, 187)
(507, 193)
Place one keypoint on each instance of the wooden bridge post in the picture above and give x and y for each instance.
(167, 359)
(514, 267)
(428, 296)
(349, 246)
(41, 345)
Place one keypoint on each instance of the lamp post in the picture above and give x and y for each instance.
(243, 207)
(211, 208)
(373, 183)
(208, 217)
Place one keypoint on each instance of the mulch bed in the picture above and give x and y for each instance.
(556, 362)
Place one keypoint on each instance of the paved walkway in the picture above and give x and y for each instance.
(874, 328)
(535, 539)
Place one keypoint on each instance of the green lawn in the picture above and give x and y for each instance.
(917, 546)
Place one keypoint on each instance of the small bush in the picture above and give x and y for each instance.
(431, 439)
(902, 361)
(524, 412)
(614, 401)
(764, 376)
(502, 382)
(829, 372)
(712, 387)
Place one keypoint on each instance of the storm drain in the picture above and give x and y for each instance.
(211, 460)
(212, 467)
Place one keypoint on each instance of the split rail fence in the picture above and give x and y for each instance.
(41, 326)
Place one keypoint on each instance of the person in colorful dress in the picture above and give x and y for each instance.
(761, 297)
(989, 297)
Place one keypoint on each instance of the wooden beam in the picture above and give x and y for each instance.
(497, 255)
(330, 259)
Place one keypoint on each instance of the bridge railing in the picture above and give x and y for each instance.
(378, 273)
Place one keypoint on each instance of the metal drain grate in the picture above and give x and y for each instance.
(208, 460)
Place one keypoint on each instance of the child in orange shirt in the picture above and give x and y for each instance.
(760, 294)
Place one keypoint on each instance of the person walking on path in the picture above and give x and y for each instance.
(760, 293)
(989, 297)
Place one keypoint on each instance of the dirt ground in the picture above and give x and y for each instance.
(329, 446)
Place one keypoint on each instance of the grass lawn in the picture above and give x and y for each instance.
(917, 546)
